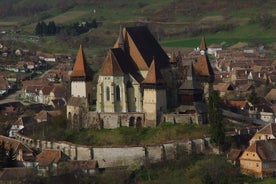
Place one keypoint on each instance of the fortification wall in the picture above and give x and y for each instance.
(181, 118)
(125, 156)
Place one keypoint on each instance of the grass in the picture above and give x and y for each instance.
(119, 136)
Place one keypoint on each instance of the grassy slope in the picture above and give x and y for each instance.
(170, 17)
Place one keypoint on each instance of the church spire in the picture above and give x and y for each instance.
(154, 76)
(121, 41)
(203, 46)
(81, 68)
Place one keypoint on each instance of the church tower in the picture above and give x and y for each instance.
(81, 90)
(81, 78)
(154, 97)
(203, 67)
(111, 96)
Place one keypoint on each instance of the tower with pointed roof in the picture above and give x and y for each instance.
(203, 68)
(81, 91)
(154, 95)
(111, 96)
(81, 77)
(190, 90)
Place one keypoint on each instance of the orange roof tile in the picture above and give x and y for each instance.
(111, 66)
(203, 44)
(203, 66)
(154, 75)
(141, 46)
(81, 69)
(48, 157)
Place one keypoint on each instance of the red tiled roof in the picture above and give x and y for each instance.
(81, 68)
(111, 66)
(237, 103)
(268, 129)
(141, 46)
(47, 157)
(203, 44)
(203, 66)
(154, 75)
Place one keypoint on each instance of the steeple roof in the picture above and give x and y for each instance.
(141, 45)
(81, 68)
(191, 82)
(111, 66)
(203, 66)
(154, 75)
(203, 44)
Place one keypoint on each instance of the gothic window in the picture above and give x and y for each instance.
(107, 94)
(118, 94)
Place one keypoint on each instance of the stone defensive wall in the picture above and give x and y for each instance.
(125, 156)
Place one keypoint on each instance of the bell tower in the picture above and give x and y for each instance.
(81, 78)
(154, 97)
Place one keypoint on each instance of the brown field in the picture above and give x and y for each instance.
(69, 16)
(9, 24)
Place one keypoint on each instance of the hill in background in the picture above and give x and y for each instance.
(174, 23)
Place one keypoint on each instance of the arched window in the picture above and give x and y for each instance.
(118, 94)
(107, 94)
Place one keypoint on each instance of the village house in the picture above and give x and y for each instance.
(24, 155)
(86, 166)
(48, 160)
(267, 132)
(19, 124)
(259, 158)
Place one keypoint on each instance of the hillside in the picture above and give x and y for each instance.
(174, 23)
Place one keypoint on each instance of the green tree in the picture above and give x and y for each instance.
(52, 29)
(252, 97)
(215, 118)
(38, 29)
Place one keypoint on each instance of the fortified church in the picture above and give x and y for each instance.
(136, 85)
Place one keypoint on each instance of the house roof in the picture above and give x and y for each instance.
(47, 89)
(140, 44)
(237, 103)
(48, 157)
(154, 75)
(266, 149)
(81, 68)
(16, 173)
(223, 87)
(269, 129)
(76, 101)
(271, 95)
(79, 164)
(15, 144)
(234, 154)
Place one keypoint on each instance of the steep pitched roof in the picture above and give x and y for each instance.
(111, 66)
(203, 66)
(141, 46)
(191, 80)
(268, 129)
(81, 68)
(16, 173)
(266, 149)
(203, 44)
(154, 75)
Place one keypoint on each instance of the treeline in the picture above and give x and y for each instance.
(43, 29)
